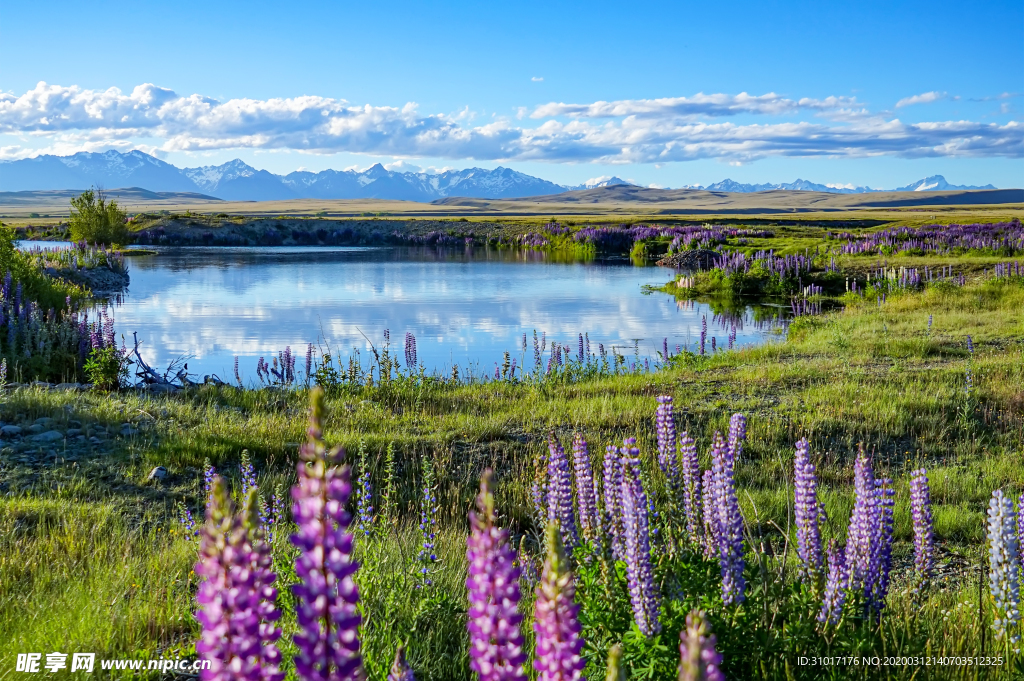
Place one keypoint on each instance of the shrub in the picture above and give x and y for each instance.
(97, 220)
(107, 368)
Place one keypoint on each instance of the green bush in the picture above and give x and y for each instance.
(96, 220)
(107, 368)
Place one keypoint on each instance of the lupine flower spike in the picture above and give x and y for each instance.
(643, 593)
(869, 538)
(586, 491)
(262, 563)
(665, 426)
(921, 515)
(560, 508)
(235, 596)
(555, 618)
(698, 659)
(1003, 568)
(495, 640)
(729, 522)
(613, 500)
(326, 595)
(836, 583)
(691, 486)
(710, 515)
(807, 511)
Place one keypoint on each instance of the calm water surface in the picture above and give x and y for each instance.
(464, 307)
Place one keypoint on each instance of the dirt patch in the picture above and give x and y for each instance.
(697, 259)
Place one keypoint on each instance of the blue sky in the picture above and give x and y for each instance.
(755, 91)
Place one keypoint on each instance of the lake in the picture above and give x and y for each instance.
(464, 307)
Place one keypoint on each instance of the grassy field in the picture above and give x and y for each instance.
(616, 204)
(93, 559)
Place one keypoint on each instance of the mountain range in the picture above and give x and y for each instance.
(238, 181)
(935, 183)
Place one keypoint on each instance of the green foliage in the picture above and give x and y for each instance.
(107, 368)
(46, 291)
(97, 220)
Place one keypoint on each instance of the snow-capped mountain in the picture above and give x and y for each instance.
(599, 182)
(937, 183)
(85, 169)
(799, 185)
(238, 181)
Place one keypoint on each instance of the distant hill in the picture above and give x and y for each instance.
(62, 197)
(681, 201)
(238, 181)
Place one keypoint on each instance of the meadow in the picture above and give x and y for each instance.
(922, 372)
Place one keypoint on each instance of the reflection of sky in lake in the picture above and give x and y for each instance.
(465, 308)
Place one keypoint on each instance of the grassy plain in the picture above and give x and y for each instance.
(92, 558)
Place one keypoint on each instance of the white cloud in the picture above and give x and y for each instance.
(403, 166)
(923, 98)
(537, 79)
(697, 105)
(71, 119)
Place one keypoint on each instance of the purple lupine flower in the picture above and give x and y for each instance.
(309, 361)
(970, 344)
(235, 597)
(586, 491)
(261, 564)
(248, 473)
(428, 526)
(326, 595)
(238, 376)
(560, 492)
(921, 514)
(555, 618)
(579, 353)
(208, 474)
(410, 351)
(869, 538)
(187, 521)
(612, 476)
(737, 436)
(807, 511)
(862, 535)
(703, 332)
(698, 659)
(1003, 566)
(883, 550)
(400, 670)
(729, 522)
(364, 503)
(691, 486)
(709, 515)
(643, 594)
(495, 640)
(665, 425)
(836, 583)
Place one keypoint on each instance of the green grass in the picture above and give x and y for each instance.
(91, 558)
